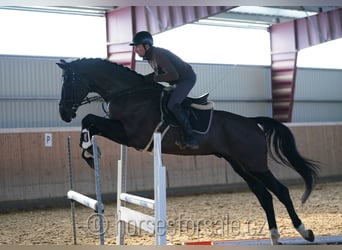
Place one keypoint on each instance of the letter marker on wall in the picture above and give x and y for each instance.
(48, 140)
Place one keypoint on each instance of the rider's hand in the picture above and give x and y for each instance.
(149, 78)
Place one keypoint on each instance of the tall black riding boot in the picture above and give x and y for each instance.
(189, 137)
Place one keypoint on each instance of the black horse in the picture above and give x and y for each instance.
(134, 113)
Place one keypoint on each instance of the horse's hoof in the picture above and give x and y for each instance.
(276, 243)
(275, 236)
(310, 236)
(88, 158)
(307, 234)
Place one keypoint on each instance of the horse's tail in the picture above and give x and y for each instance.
(282, 148)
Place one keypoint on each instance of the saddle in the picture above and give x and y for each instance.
(199, 111)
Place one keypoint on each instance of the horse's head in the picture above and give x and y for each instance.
(100, 76)
(74, 90)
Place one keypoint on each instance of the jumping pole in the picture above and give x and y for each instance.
(155, 225)
(72, 202)
(74, 196)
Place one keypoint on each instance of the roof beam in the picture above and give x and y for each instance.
(286, 40)
(123, 23)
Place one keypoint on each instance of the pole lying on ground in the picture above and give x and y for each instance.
(84, 200)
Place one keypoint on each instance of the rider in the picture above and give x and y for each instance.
(169, 68)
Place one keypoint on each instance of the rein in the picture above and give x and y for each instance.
(88, 100)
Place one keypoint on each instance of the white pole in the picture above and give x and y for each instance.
(125, 214)
(121, 188)
(84, 200)
(98, 189)
(159, 194)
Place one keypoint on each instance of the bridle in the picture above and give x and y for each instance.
(76, 78)
(70, 99)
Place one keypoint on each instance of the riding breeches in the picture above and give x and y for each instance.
(181, 91)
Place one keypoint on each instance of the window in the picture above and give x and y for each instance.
(217, 45)
(325, 55)
(67, 35)
(51, 34)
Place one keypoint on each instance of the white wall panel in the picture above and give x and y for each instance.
(228, 82)
(29, 77)
(30, 90)
(318, 95)
(36, 114)
(319, 84)
(245, 90)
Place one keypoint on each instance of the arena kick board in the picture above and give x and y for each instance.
(320, 240)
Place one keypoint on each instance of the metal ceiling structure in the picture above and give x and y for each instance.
(72, 10)
(123, 23)
(268, 15)
(263, 16)
(286, 40)
(291, 28)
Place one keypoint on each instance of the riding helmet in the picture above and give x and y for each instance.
(142, 37)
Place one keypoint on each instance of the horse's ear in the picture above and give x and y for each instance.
(62, 64)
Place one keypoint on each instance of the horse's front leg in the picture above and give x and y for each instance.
(87, 145)
(96, 125)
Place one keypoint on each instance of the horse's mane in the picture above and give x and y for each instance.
(106, 66)
(108, 71)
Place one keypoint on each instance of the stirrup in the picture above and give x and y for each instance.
(192, 145)
(186, 145)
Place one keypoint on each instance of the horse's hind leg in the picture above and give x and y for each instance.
(283, 195)
(265, 200)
